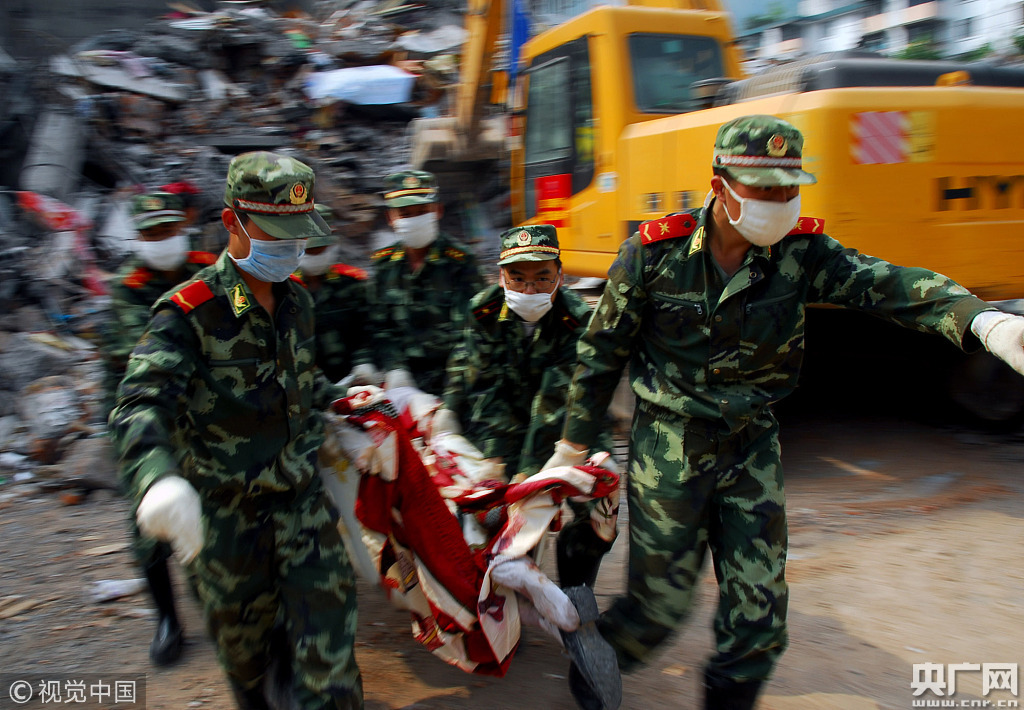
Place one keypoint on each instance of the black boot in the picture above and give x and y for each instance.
(728, 694)
(168, 639)
(578, 553)
(582, 693)
(594, 679)
(278, 680)
(252, 699)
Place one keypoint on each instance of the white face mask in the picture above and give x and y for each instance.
(763, 222)
(317, 264)
(164, 255)
(417, 232)
(531, 307)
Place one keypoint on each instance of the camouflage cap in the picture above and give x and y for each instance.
(276, 191)
(761, 151)
(152, 208)
(534, 242)
(410, 187)
(327, 240)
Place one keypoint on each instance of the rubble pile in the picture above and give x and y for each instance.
(127, 111)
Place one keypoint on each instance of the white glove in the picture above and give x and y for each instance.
(445, 420)
(365, 374)
(566, 455)
(399, 377)
(170, 511)
(1002, 334)
(605, 460)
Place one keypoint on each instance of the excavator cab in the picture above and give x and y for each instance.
(586, 82)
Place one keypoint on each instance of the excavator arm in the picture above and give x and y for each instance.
(483, 23)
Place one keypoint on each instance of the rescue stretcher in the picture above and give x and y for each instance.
(444, 533)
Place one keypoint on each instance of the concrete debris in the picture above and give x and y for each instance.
(25, 360)
(127, 71)
(107, 590)
(52, 409)
(126, 111)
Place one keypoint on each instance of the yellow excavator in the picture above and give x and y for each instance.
(613, 119)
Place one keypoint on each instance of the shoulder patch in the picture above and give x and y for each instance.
(487, 309)
(192, 295)
(297, 279)
(808, 225)
(202, 257)
(453, 253)
(670, 227)
(351, 271)
(382, 253)
(138, 278)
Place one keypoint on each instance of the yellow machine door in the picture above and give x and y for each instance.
(558, 142)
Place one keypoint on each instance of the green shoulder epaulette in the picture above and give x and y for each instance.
(192, 295)
(669, 227)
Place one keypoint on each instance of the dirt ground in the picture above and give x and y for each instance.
(905, 544)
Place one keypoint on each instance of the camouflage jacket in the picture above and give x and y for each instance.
(724, 352)
(508, 389)
(133, 291)
(340, 300)
(416, 318)
(241, 388)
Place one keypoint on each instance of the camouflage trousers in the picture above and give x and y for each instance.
(269, 562)
(692, 488)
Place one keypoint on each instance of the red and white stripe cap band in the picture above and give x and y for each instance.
(273, 208)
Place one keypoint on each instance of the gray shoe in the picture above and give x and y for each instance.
(593, 657)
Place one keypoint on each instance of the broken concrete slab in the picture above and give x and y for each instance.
(448, 38)
(24, 359)
(117, 77)
(55, 156)
(52, 410)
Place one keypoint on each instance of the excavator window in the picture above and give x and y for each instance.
(549, 86)
(559, 133)
(664, 68)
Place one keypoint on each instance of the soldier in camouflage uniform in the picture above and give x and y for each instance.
(707, 308)
(228, 362)
(161, 260)
(509, 376)
(340, 298)
(421, 285)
